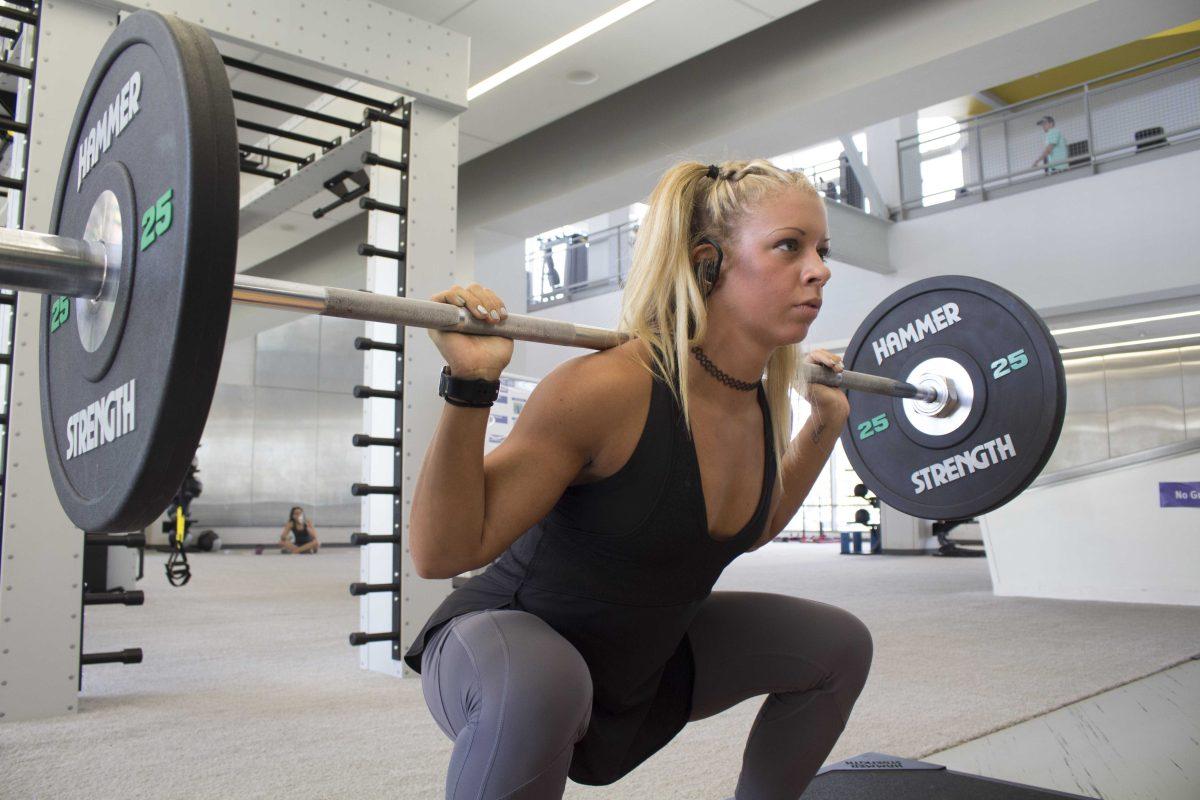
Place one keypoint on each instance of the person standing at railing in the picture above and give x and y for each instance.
(1054, 156)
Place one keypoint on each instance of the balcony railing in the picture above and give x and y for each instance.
(575, 265)
(1144, 108)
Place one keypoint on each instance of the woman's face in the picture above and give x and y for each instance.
(774, 271)
(297, 514)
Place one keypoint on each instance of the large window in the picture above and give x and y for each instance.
(830, 506)
(941, 175)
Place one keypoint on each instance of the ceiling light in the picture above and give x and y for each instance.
(557, 46)
(1118, 323)
(1130, 343)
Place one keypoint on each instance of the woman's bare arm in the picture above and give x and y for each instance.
(468, 509)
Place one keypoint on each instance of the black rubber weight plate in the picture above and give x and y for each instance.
(155, 126)
(996, 453)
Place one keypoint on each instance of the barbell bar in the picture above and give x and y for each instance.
(958, 387)
(59, 265)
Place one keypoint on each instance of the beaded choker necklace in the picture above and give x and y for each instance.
(728, 380)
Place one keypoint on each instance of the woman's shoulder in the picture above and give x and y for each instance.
(603, 377)
(597, 390)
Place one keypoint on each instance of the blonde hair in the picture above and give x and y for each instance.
(664, 305)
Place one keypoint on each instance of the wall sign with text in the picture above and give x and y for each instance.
(1179, 494)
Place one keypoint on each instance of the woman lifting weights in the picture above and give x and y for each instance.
(633, 477)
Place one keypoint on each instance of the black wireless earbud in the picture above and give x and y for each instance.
(708, 270)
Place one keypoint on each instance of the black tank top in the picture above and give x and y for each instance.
(619, 568)
(299, 532)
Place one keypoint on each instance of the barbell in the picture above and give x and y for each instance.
(140, 274)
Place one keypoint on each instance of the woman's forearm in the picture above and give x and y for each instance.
(446, 523)
(802, 465)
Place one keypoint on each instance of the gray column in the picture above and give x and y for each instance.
(885, 168)
(41, 563)
(431, 264)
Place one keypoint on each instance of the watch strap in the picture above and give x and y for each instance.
(468, 392)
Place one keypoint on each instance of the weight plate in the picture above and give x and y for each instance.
(151, 163)
(984, 457)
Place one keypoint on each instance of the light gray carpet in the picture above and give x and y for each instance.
(249, 689)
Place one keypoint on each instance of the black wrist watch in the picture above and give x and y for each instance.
(468, 392)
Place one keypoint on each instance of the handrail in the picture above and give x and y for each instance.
(968, 121)
(1117, 462)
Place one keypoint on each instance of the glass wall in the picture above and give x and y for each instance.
(1127, 403)
(279, 431)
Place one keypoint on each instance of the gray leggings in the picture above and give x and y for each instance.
(515, 696)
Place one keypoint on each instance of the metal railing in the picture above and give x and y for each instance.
(574, 265)
(1122, 114)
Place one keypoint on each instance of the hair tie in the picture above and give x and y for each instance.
(714, 171)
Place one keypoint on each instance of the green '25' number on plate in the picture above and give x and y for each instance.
(60, 309)
(876, 424)
(1010, 363)
(157, 220)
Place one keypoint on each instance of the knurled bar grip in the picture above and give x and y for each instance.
(864, 382)
(351, 304)
(60, 265)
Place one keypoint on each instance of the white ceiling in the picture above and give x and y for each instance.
(657, 37)
(665, 33)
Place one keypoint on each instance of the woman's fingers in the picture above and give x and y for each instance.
(826, 359)
(492, 302)
(481, 302)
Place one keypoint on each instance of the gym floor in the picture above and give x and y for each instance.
(248, 688)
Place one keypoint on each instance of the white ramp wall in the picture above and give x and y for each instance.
(1101, 537)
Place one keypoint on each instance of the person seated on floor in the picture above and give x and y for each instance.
(298, 534)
